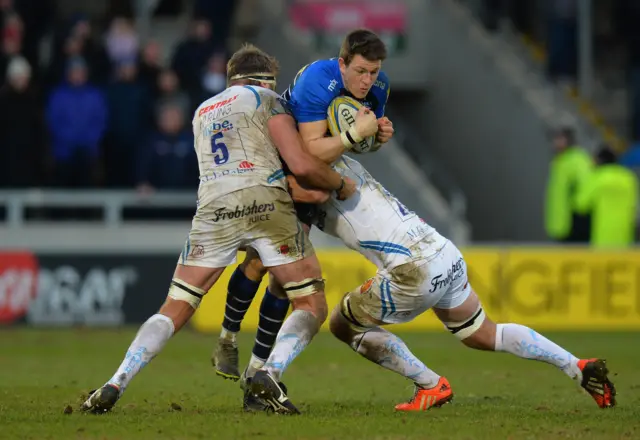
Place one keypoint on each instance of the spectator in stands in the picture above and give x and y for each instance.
(72, 48)
(77, 117)
(36, 16)
(22, 130)
(220, 15)
(77, 39)
(11, 47)
(610, 196)
(569, 170)
(151, 65)
(121, 41)
(192, 55)
(214, 79)
(12, 26)
(631, 157)
(130, 111)
(168, 160)
(169, 93)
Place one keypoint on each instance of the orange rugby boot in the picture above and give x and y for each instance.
(424, 398)
(596, 382)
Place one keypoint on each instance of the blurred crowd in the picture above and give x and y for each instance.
(103, 108)
(591, 199)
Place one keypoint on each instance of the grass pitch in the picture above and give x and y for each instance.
(342, 396)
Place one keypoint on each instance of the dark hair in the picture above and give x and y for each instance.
(365, 43)
(249, 59)
(606, 155)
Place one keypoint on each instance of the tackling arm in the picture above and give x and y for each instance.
(313, 171)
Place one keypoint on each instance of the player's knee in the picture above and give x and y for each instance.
(305, 288)
(339, 326)
(484, 338)
(345, 324)
(474, 332)
(320, 309)
(182, 291)
(314, 304)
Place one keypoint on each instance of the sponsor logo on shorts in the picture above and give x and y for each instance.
(289, 249)
(245, 165)
(455, 272)
(257, 211)
(197, 251)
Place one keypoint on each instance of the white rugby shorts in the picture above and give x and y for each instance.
(259, 217)
(401, 294)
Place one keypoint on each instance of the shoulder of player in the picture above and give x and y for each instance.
(318, 84)
(237, 95)
(382, 82)
(321, 75)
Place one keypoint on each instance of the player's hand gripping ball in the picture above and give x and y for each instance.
(341, 116)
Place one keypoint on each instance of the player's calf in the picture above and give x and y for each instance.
(381, 347)
(273, 311)
(302, 281)
(242, 288)
(183, 299)
(469, 323)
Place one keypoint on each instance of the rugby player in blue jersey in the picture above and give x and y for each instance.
(357, 73)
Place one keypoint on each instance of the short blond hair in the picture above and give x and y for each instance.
(249, 59)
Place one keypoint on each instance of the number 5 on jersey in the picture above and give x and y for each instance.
(219, 149)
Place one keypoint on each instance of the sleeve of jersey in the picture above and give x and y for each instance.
(311, 97)
(382, 94)
(279, 107)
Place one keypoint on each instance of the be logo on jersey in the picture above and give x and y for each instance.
(218, 127)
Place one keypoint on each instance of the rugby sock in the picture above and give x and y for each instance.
(389, 351)
(240, 294)
(151, 338)
(273, 310)
(255, 364)
(528, 344)
(296, 333)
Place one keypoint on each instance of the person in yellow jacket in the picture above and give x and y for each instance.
(569, 170)
(610, 195)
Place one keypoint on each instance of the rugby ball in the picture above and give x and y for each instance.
(341, 115)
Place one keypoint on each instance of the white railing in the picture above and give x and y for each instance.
(111, 203)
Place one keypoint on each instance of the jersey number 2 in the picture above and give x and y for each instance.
(219, 149)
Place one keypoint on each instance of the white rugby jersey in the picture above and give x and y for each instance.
(233, 144)
(376, 224)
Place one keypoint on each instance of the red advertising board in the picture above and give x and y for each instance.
(329, 20)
